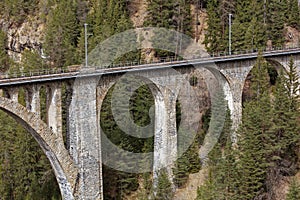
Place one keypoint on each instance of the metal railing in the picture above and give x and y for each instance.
(32, 73)
(164, 60)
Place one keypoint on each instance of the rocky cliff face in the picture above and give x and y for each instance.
(21, 36)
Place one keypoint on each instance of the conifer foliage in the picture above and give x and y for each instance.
(268, 139)
(173, 15)
(25, 172)
(62, 33)
(255, 23)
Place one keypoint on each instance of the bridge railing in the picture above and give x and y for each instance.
(32, 73)
(143, 62)
(170, 59)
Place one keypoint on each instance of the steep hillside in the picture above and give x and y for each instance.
(37, 34)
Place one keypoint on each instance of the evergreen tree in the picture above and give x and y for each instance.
(18, 10)
(293, 14)
(248, 29)
(139, 105)
(62, 34)
(254, 136)
(286, 127)
(25, 172)
(275, 22)
(160, 14)
(31, 61)
(252, 165)
(285, 136)
(260, 80)
(292, 86)
(255, 35)
(107, 18)
(164, 187)
(222, 179)
(172, 15)
(286, 113)
(212, 38)
(218, 12)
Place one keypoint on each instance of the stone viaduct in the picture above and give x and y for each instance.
(78, 165)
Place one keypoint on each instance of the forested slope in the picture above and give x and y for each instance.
(38, 34)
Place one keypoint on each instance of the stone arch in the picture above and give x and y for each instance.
(277, 64)
(63, 167)
(227, 87)
(104, 85)
(219, 89)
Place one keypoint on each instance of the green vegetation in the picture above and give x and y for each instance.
(18, 10)
(268, 138)
(164, 187)
(62, 33)
(24, 169)
(4, 59)
(254, 23)
(172, 15)
(140, 103)
(294, 191)
(216, 38)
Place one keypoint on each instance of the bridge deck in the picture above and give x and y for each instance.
(54, 75)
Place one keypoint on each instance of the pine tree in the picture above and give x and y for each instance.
(248, 29)
(222, 179)
(255, 136)
(255, 35)
(18, 10)
(62, 34)
(260, 78)
(106, 19)
(293, 14)
(31, 61)
(181, 170)
(293, 83)
(160, 14)
(172, 15)
(25, 172)
(286, 112)
(275, 22)
(285, 134)
(164, 187)
(212, 38)
(218, 12)
(208, 190)
(139, 105)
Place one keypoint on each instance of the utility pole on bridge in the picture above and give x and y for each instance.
(85, 45)
(229, 38)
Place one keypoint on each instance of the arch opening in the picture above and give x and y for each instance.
(29, 170)
(38, 130)
(141, 107)
(211, 88)
(273, 67)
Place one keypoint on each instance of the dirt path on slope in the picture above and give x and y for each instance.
(189, 192)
